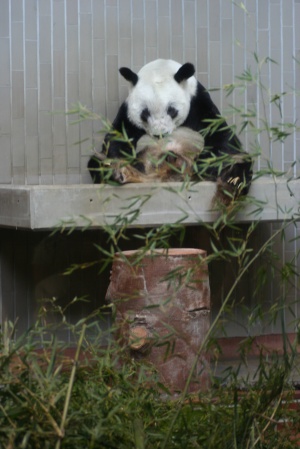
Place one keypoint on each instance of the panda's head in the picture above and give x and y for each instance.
(160, 95)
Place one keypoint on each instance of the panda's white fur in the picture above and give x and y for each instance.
(157, 90)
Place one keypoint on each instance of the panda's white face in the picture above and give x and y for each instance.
(158, 102)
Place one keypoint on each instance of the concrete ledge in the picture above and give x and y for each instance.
(44, 207)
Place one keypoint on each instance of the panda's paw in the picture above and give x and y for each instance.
(99, 168)
(238, 178)
(231, 185)
(123, 173)
(120, 173)
(226, 191)
(236, 182)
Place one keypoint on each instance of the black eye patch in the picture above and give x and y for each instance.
(172, 112)
(145, 114)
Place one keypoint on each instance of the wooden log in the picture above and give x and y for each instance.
(162, 302)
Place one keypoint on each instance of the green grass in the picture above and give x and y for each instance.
(101, 398)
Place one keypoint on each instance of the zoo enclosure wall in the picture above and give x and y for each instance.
(55, 53)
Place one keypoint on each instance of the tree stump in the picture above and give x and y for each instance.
(162, 301)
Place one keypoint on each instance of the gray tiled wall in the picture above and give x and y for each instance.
(58, 52)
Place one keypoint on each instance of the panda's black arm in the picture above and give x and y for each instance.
(116, 144)
(219, 143)
(202, 109)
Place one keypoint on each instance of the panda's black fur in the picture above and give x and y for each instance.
(201, 108)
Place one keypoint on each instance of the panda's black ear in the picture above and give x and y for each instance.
(186, 71)
(129, 75)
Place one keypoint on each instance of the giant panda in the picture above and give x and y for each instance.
(164, 96)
